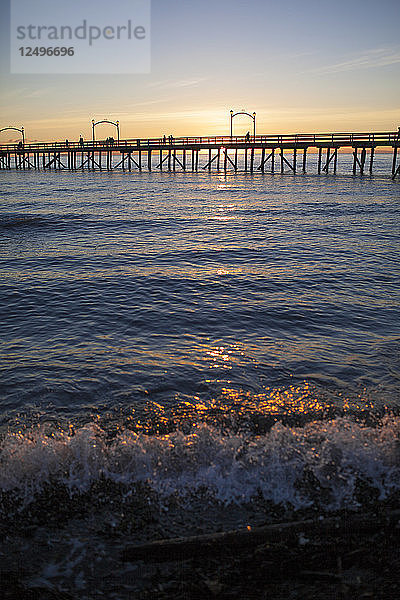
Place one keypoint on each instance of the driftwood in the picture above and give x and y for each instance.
(205, 545)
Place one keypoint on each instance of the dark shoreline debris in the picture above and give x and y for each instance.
(187, 547)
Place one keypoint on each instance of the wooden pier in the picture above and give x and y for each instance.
(263, 153)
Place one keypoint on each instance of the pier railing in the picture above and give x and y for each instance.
(298, 139)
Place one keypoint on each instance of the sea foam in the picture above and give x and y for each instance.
(322, 462)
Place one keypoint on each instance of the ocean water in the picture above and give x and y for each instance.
(185, 352)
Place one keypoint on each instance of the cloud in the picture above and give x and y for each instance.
(209, 115)
(176, 83)
(377, 57)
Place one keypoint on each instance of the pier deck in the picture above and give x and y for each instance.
(219, 153)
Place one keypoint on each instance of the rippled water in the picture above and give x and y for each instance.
(119, 285)
(192, 331)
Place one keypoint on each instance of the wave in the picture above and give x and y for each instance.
(33, 221)
(24, 220)
(17, 221)
(324, 463)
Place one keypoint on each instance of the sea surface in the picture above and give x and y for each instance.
(191, 352)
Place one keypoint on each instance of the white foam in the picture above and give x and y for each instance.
(232, 467)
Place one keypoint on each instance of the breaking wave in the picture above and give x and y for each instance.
(322, 463)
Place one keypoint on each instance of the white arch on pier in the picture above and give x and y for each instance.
(242, 112)
(115, 123)
(21, 130)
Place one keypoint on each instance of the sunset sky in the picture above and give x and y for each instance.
(307, 66)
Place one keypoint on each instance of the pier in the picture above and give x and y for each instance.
(263, 153)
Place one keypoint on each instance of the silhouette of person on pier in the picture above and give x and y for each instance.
(170, 139)
(81, 141)
(248, 136)
(66, 142)
(20, 145)
(164, 139)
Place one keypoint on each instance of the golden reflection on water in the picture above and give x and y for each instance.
(219, 356)
(301, 400)
(236, 404)
(296, 400)
(222, 218)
